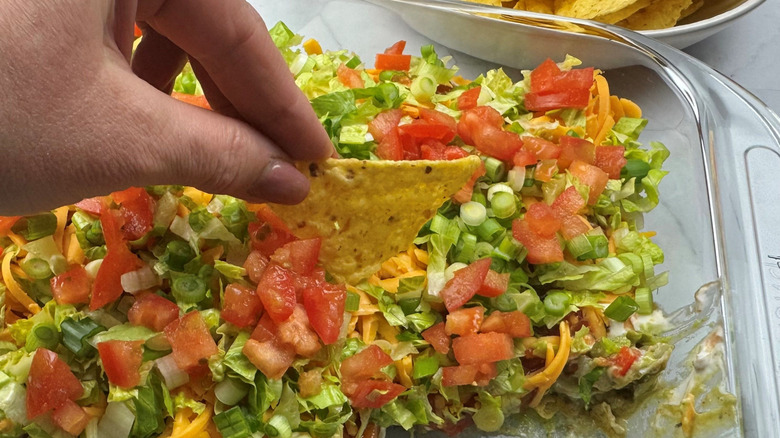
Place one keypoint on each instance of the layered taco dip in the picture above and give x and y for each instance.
(166, 311)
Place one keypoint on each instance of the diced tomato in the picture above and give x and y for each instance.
(92, 206)
(551, 88)
(611, 159)
(198, 100)
(365, 363)
(386, 61)
(269, 233)
(153, 312)
(464, 194)
(396, 49)
(410, 145)
(422, 129)
(6, 223)
(476, 374)
(548, 78)
(437, 337)
(390, 148)
(464, 321)
(524, 158)
(241, 306)
(477, 116)
(468, 99)
(546, 170)
(136, 33)
(572, 226)
(375, 393)
(349, 77)
(540, 249)
(624, 359)
(272, 358)
(573, 148)
(439, 118)
(137, 209)
(299, 255)
(121, 361)
(465, 284)
(575, 98)
(495, 284)
(383, 123)
(591, 176)
(190, 340)
(50, 383)
(325, 307)
(483, 348)
(516, 324)
(297, 331)
(569, 202)
(276, 290)
(265, 329)
(107, 287)
(71, 418)
(541, 148)
(454, 153)
(496, 142)
(542, 220)
(72, 286)
(255, 265)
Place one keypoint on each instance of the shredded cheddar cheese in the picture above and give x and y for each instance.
(13, 287)
(544, 379)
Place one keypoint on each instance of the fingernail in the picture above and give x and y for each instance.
(281, 183)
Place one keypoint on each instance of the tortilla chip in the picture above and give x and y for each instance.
(486, 2)
(368, 211)
(623, 13)
(589, 9)
(540, 6)
(661, 14)
(695, 6)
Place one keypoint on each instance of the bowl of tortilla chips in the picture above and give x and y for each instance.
(679, 23)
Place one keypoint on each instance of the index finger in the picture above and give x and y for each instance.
(229, 39)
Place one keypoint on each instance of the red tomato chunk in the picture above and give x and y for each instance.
(465, 284)
(464, 321)
(72, 286)
(190, 341)
(122, 361)
(50, 383)
(241, 306)
(438, 338)
(153, 312)
(483, 348)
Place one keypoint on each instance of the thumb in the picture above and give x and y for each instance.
(215, 153)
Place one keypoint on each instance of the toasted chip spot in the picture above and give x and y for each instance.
(368, 211)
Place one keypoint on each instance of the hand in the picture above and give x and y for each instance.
(77, 121)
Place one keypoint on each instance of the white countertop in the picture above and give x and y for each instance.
(748, 52)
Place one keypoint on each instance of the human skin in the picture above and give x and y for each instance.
(78, 118)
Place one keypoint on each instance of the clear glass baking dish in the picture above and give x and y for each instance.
(718, 203)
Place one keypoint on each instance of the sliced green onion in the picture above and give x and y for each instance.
(489, 229)
(478, 196)
(76, 334)
(388, 75)
(515, 178)
(96, 252)
(44, 335)
(445, 227)
(423, 88)
(93, 267)
(621, 309)
(35, 227)
(518, 277)
(353, 62)
(46, 249)
(233, 423)
(36, 268)
(353, 302)
(572, 133)
(586, 383)
(424, 367)
(482, 250)
(235, 217)
(465, 248)
(95, 234)
(473, 213)
(503, 205)
(81, 220)
(189, 289)
(495, 169)
(579, 246)
(278, 427)
(140, 279)
(556, 303)
(230, 391)
(600, 246)
(498, 188)
(199, 218)
(644, 299)
(507, 250)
